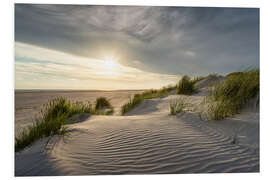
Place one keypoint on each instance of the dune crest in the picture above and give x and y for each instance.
(148, 141)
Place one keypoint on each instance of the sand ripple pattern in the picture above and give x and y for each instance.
(150, 145)
(140, 143)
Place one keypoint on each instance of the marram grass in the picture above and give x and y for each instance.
(132, 103)
(229, 97)
(149, 94)
(186, 86)
(53, 117)
(102, 103)
(177, 106)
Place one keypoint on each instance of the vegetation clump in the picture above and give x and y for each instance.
(53, 117)
(197, 79)
(177, 106)
(149, 94)
(185, 86)
(102, 103)
(160, 93)
(232, 94)
(132, 103)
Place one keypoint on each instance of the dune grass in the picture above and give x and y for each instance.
(53, 117)
(40, 129)
(101, 103)
(177, 106)
(132, 103)
(231, 95)
(103, 106)
(197, 79)
(185, 86)
(149, 94)
(160, 93)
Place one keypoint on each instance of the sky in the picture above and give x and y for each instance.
(129, 47)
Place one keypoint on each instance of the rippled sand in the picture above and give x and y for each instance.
(148, 141)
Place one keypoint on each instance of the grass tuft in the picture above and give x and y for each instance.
(53, 117)
(177, 106)
(132, 103)
(197, 79)
(102, 103)
(40, 129)
(231, 95)
(185, 86)
(149, 94)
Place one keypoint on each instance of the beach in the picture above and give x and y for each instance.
(29, 103)
(146, 140)
(135, 89)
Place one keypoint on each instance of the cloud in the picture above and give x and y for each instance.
(190, 53)
(167, 40)
(52, 69)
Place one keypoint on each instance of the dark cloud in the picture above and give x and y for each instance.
(173, 40)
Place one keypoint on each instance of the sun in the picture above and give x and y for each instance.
(110, 64)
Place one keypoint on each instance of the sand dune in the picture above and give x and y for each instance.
(29, 103)
(148, 141)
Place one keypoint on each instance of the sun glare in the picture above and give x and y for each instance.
(110, 64)
(111, 67)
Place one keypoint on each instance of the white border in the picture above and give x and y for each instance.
(7, 83)
(222, 3)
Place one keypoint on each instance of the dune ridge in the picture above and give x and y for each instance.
(148, 141)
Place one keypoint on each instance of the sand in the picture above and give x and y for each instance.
(148, 141)
(29, 103)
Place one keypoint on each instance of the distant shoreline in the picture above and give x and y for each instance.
(69, 90)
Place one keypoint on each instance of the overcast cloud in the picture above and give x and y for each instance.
(165, 40)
